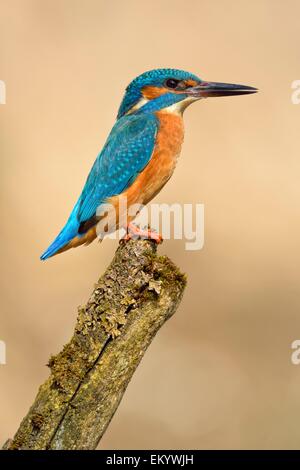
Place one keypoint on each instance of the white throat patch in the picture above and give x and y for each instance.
(178, 108)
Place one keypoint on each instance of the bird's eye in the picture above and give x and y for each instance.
(172, 83)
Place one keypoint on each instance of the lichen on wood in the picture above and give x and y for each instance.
(138, 292)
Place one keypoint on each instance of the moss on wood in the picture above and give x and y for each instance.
(138, 292)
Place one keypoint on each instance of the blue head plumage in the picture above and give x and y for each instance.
(159, 78)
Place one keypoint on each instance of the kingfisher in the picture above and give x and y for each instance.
(140, 153)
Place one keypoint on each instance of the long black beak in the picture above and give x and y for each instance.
(206, 89)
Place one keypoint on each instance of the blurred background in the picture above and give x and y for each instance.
(219, 373)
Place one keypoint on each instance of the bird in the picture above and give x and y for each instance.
(140, 153)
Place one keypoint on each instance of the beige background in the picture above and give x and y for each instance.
(219, 374)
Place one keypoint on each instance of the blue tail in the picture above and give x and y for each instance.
(69, 231)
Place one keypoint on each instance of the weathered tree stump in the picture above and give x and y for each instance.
(138, 292)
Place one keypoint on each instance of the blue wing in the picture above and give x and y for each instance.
(127, 151)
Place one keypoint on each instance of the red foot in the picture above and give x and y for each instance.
(135, 232)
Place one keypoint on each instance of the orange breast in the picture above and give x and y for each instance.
(162, 164)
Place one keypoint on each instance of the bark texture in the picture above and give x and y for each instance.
(138, 292)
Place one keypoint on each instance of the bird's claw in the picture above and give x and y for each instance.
(135, 233)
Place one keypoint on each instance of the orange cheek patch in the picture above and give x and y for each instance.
(190, 82)
(151, 92)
